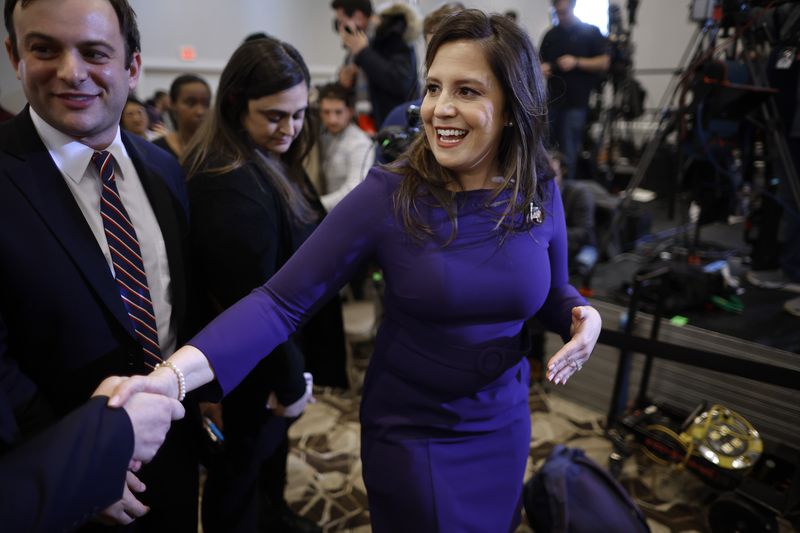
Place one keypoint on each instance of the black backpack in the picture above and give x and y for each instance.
(573, 494)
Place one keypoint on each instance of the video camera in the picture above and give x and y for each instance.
(772, 21)
(394, 140)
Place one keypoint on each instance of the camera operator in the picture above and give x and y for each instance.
(574, 55)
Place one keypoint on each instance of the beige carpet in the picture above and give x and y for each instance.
(325, 471)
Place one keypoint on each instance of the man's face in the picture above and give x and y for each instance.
(564, 11)
(335, 114)
(134, 119)
(72, 66)
(359, 20)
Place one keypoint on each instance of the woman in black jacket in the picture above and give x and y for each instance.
(252, 206)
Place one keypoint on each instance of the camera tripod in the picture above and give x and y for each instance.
(670, 116)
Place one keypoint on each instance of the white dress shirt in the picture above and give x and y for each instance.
(74, 160)
(345, 161)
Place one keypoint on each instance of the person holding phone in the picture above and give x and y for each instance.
(381, 64)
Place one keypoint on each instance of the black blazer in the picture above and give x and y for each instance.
(75, 468)
(241, 235)
(64, 320)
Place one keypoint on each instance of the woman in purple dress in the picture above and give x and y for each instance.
(472, 242)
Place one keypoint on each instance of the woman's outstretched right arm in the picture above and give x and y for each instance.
(231, 345)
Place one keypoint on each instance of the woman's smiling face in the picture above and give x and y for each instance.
(464, 113)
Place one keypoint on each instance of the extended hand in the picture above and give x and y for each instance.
(585, 330)
(547, 70)
(128, 508)
(161, 381)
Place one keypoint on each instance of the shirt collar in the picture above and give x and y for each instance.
(73, 157)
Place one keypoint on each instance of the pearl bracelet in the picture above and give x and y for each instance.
(178, 374)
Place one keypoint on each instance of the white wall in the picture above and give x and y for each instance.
(11, 96)
(216, 28)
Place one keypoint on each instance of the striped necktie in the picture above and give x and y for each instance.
(126, 256)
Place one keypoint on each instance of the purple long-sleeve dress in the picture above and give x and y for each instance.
(445, 418)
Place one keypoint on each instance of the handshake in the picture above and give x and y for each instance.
(150, 415)
(151, 405)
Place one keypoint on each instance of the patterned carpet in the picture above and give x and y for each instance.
(325, 471)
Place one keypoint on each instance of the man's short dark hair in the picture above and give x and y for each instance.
(351, 6)
(336, 91)
(133, 100)
(125, 15)
(571, 2)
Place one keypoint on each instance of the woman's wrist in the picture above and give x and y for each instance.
(174, 379)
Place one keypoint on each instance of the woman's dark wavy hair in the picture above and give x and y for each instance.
(258, 68)
(522, 156)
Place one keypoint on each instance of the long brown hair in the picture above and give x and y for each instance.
(258, 68)
(522, 156)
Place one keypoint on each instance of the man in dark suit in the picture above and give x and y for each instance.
(94, 225)
(78, 466)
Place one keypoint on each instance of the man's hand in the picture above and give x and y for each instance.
(151, 413)
(128, 508)
(161, 381)
(108, 385)
(585, 329)
(353, 39)
(567, 62)
(547, 70)
(151, 416)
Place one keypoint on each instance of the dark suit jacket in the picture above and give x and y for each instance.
(67, 473)
(65, 322)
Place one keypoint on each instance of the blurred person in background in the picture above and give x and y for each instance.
(134, 117)
(574, 57)
(191, 97)
(380, 67)
(346, 153)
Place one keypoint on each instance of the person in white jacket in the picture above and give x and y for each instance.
(346, 152)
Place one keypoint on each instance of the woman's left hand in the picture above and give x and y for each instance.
(585, 330)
